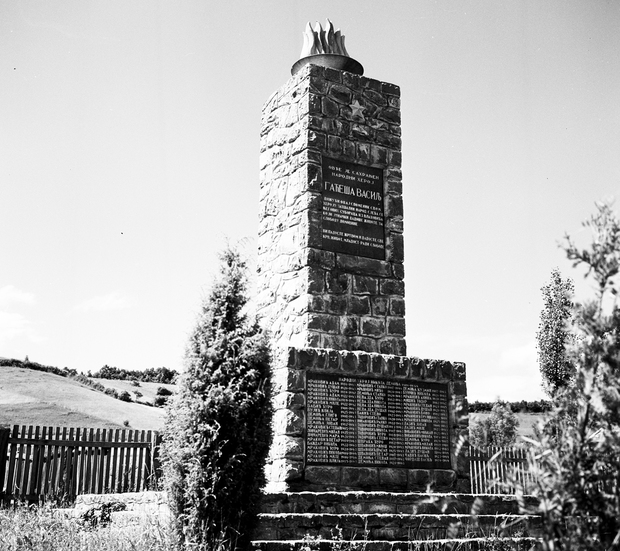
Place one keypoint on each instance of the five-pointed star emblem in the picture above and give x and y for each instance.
(356, 109)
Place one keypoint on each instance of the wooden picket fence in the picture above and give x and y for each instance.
(498, 470)
(40, 463)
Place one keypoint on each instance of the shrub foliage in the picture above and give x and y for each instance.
(217, 432)
(498, 429)
(576, 458)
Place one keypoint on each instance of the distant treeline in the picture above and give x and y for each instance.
(64, 372)
(150, 375)
(523, 406)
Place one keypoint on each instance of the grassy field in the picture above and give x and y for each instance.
(30, 397)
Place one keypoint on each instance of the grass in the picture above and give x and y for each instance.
(45, 529)
(29, 397)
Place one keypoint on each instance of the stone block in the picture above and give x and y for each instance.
(418, 479)
(397, 306)
(336, 304)
(402, 367)
(394, 206)
(316, 304)
(460, 388)
(398, 271)
(375, 97)
(337, 282)
(285, 470)
(390, 114)
(289, 400)
(349, 361)
(396, 247)
(396, 326)
(334, 359)
(363, 266)
(446, 370)
(323, 475)
(378, 364)
(291, 447)
(379, 306)
(348, 149)
(341, 94)
(352, 80)
(431, 369)
(393, 478)
(285, 380)
(444, 480)
(287, 422)
(459, 371)
(329, 107)
(392, 287)
(363, 152)
(358, 305)
(315, 279)
(372, 327)
(364, 344)
(349, 325)
(378, 156)
(359, 477)
(323, 322)
(391, 89)
(338, 342)
(364, 285)
(417, 368)
(334, 145)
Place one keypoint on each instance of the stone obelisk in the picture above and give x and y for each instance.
(352, 410)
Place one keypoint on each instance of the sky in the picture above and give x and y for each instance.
(129, 143)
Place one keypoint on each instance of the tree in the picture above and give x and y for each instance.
(554, 334)
(576, 456)
(499, 428)
(217, 432)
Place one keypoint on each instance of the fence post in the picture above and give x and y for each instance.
(4, 448)
(155, 466)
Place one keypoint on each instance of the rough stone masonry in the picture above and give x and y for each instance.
(352, 410)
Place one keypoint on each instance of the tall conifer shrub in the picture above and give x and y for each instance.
(217, 431)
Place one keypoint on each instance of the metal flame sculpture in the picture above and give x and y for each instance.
(319, 41)
(326, 48)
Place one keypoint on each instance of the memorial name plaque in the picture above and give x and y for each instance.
(362, 421)
(353, 221)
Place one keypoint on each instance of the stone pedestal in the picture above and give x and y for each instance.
(331, 291)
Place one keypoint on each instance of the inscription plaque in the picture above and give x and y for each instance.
(362, 421)
(353, 219)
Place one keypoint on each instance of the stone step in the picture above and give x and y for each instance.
(391, 502)
(392, 526)
(450, 544)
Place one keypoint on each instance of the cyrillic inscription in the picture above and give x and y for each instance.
(353, 221)
(376, 422)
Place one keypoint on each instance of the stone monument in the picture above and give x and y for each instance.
(352, 410)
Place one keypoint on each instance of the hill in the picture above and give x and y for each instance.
(29, 397)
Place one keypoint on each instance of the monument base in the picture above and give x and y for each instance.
(352, 420)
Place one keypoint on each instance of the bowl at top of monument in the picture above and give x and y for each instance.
(334, 61)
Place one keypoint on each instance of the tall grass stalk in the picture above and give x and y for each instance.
(46, 529)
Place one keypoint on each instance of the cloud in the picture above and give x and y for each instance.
(9, 294)
(13, 325)
(104, 303)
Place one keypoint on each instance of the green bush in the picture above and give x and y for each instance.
(124, 396)
(217, 431)
(163, 391)
(498, 429)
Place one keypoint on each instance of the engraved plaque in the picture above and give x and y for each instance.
(353, 219)
(363, 421)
